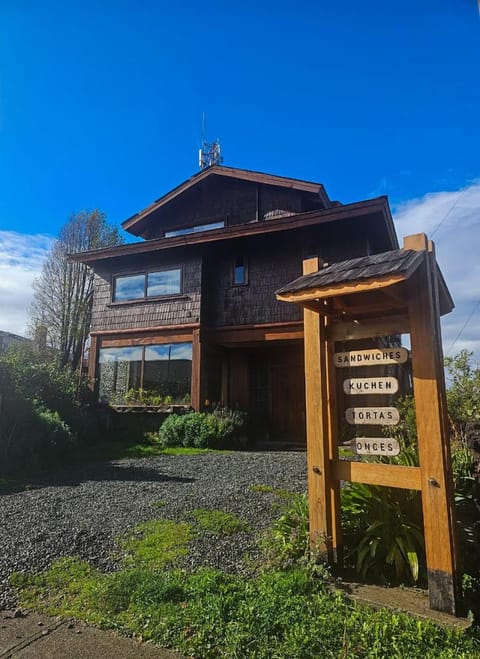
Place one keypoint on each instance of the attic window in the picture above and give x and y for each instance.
(195, 229)
(277, 212)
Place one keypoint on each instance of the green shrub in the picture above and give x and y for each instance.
(40, 416)
(52, 435)
(221, 428)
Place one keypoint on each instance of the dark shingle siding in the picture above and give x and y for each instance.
(156, 313)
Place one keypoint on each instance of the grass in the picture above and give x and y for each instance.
(219, 522)
(212, 614)
(276, 614)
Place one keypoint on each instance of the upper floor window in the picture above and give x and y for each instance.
(195, 229)
(147, 284)
(239, 270)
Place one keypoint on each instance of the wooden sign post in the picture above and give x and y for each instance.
(369, 300)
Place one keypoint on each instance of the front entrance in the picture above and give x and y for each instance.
(269, 384)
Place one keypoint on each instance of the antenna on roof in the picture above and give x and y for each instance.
(209, 153)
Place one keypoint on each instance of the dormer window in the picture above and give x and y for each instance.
(159, 283)
(198, 228)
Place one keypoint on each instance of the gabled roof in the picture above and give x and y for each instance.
(133, 222)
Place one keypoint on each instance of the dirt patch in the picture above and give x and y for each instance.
(408, 600)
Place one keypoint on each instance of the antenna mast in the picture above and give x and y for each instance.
(209, 153)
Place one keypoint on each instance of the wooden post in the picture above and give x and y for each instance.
(196, 370)
(93, 363)
(440, 545)
(316, 396)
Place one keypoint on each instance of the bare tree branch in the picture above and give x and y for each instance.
(62, 304)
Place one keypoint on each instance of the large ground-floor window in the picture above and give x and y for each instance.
(161, 371)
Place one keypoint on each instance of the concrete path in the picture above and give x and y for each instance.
(33, 636)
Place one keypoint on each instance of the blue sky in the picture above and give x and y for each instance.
(101, 106)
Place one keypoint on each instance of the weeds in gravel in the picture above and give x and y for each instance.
(156, 543)
(120, 450)
(284, 495)
(219, 522)
(212, 614)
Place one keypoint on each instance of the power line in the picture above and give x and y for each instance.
(450, 210)
(464, 326)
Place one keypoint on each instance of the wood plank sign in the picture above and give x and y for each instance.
(375, 446)
(374, 356)
(376, 416)
(359, 386)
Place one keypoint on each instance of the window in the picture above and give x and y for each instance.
(163, 370)
(239, 271)
(199, 228)
(129, 288)
(146, 285)
(166, 282)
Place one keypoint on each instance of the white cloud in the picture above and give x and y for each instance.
(452, 221)
(21, 259)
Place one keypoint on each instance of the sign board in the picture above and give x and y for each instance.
(358, 386)
(375, 446)
(374, 416)
(370, 357)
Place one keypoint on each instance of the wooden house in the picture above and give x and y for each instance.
(190, 311)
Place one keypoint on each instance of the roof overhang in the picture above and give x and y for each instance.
(373, 207)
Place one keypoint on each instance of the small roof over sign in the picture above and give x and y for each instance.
(382, 270)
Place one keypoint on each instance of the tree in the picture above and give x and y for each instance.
(61, 309)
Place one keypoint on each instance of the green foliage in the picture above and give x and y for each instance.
(220, 428)
(276, 615)
(219, 522)
(405, 432)
(463, 394)
(287, 543)
(146, 397)
(381, 528)
(40, 418)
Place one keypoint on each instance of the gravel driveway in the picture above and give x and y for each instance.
(79, 510)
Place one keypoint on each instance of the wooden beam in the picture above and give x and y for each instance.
(145, 331)
(174, 337)
(340, 289)
(368, 309)
(432, 434)
(368, 328)
(333, 433)
(406, 478)
(254, 334)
